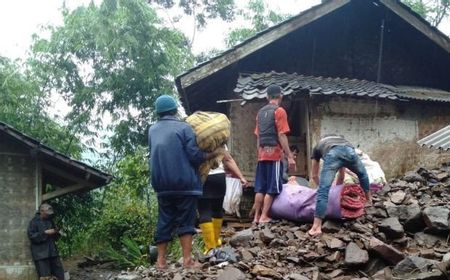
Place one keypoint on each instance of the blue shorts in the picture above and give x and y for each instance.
(269, 177)
(176, 214)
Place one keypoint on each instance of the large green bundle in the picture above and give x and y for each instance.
(212, 131)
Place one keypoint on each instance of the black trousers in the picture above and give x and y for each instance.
(209, 208)
(50, 267)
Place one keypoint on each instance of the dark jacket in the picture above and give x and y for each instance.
(174, 158)
(42, 245)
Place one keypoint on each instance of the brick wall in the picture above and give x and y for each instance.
(17, 207)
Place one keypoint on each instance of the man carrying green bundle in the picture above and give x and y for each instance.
(174, 159)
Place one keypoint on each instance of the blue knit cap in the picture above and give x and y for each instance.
(165, 103)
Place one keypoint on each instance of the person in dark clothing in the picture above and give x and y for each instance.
(174, 159)
(43, 233)
(210, 204)
(337, 154)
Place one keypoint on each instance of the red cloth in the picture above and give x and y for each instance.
(353, 200)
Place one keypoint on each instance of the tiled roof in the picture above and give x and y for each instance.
(251, 86)
(439, 140)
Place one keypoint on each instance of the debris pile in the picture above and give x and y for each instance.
(404, 235)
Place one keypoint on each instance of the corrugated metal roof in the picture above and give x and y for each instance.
(439, 140)
(253, 86)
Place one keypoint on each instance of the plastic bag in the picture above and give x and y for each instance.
(232, 196)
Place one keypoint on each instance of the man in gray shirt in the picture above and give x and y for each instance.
(337, 154)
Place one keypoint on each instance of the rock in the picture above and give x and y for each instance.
(128, 277)
(241, 238)
(429, 240)
(412, 177)
(409, 215)
(231, 273)
(446, 257)
(334, 257)
(246, 255)
(427, 253)
(177, 276)
(376, 212)
(332, 243)
(392, 228)
(398, 197)
(260, 270)
(296, 276)
(355, 255)
(413, 264)
(335, 273)
(436, 218)
(293, 259)
(387, 252)
(330, 227)
(266, 235)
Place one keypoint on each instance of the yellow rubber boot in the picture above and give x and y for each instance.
(208, 236)
(217, 230)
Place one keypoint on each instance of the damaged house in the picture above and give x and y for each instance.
(374, 71)
(31, 173)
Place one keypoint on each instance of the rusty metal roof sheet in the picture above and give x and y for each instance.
(439, 140)
(253, 86)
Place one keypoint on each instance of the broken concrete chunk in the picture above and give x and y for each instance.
(391, 227)
(355, 255)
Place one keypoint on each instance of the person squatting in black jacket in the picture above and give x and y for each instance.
(43, 233)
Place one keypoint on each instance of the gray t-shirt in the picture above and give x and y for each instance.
(325, 144)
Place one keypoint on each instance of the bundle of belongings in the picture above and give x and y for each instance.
(298, 203)
(376, 175)
(212, 131)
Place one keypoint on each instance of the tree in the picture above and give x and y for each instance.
(113, 60)
(435, 11)
(260, 17)
(25, 107)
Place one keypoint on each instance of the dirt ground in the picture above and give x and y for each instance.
(99, 271)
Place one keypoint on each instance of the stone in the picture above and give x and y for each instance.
(330, 227)
(332, 242)
(128, 277)
(293, 259)
(427, 253)
(177, 276)
(231, 273)
(436, 218)
(429, 240)
(386, 251)
(392, 228)
(296, 276)
(241, 238)
(412, 264)
(376, 212)
(334, 257)
(398, 197)
(412, 177)
(335, 273)
(266, 235)
(261, 270)
(409, 215)
(246, 255)
(355, 255)
(446, 257)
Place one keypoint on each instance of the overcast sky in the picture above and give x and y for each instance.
(19, 19)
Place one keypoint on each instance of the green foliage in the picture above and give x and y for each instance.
(260, 17)
(435, 11)
(112, 59)
(201, 9)
(131, 254)
(24, 107)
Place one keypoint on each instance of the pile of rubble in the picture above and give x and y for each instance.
(404, 235)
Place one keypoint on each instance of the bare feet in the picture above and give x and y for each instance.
(314, 232)
(191, 264)
(161, 264)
